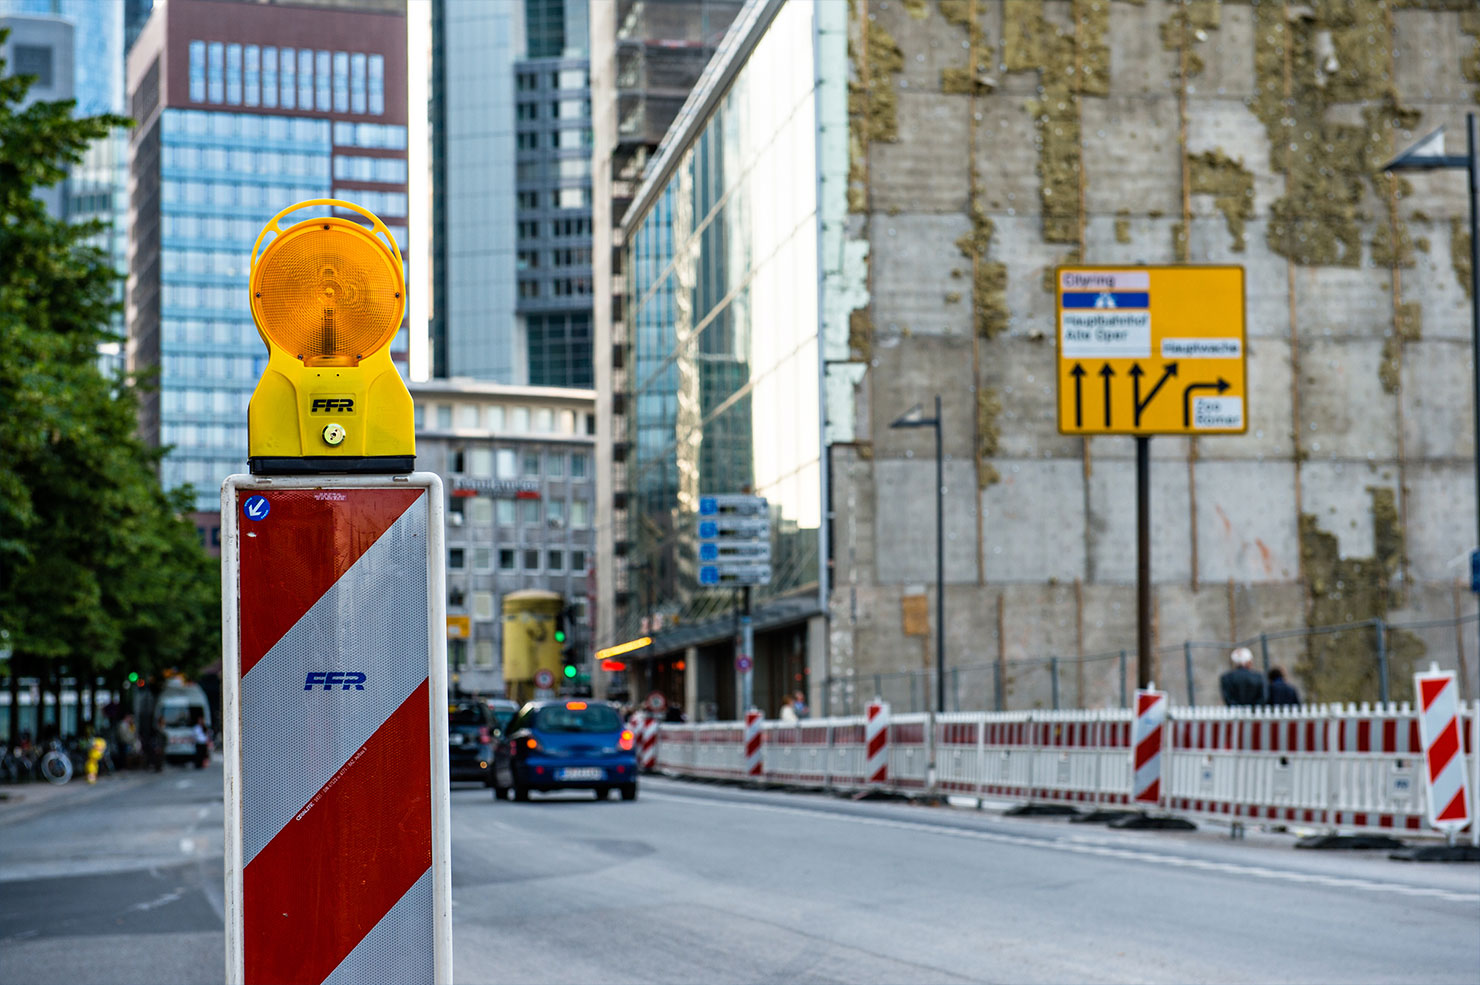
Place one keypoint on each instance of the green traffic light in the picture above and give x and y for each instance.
(570, 670)
(133, 678)
(559, 636)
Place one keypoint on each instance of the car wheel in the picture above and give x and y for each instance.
(521, 793)
(500, 793)
(602, 793)
(629, 791)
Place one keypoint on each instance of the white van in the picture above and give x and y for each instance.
(178, 705)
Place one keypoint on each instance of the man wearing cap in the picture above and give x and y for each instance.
(1242, 686)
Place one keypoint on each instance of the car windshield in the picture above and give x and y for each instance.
(468, 714)
(504, 715)
(180, 716)
(577, 716)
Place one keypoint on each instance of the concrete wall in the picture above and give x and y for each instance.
(993, 139)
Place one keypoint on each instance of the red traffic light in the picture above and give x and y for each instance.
(613, 665)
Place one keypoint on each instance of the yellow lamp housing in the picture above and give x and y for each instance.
(328, 296)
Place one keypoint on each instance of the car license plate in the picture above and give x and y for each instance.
(582, 773)
(455, 739)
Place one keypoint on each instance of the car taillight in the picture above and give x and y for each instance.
(626, 740)
(531, 745)
(483, 737)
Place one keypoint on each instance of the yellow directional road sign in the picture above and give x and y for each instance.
(1151, 350)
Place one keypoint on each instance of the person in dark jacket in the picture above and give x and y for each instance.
(1281, 691)
(1243, 686)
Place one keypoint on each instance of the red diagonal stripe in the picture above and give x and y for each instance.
(876, 745)
(1456, 810)
(1144, 701)
(1429, 688)
(1443, 750)
(328, 877)
(1147, 748)
(295, 555)
(1151, 793)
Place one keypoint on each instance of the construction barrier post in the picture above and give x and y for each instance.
(754, 744)
(1146, 741)
(876, 742)
(1443, 750)
(648, 761)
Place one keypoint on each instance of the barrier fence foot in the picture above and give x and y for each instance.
(877, 793)
(1148, 822)
(1042, 810)
(1103, 815)
(1359, 843)
(1438, 853)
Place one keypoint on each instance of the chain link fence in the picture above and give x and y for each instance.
(1370, 661)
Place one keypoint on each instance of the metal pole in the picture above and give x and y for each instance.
(1473, 169)
(1382, 660)
(1187, 662)
(1264, 650)
(997, 686)
(1125, 701)
(747, 637)
(956, 687)
(940, 568)
(1053, 666)
(1143, 560)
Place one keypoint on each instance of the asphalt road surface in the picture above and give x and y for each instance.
(702, 883)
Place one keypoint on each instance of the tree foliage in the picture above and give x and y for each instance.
(99, 567)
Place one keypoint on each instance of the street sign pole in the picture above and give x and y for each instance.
(1143, 561)
(747, 643)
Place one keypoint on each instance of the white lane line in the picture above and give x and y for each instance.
(187, 846)
(153, 904)
(1104, 851)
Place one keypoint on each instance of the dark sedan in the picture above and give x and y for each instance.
(566, 745)
(471, 729)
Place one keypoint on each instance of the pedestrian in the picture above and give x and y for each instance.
(1243, 686)
(788, 712)
(202, 742)
(1281, 691)
(126, 747)
(799, 704)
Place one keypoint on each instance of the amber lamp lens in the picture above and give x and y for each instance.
(328, 292)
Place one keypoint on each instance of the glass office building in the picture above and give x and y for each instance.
(724, 290)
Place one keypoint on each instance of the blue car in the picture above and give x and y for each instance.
(566, 745)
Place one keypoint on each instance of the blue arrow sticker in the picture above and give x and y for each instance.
(256, 508)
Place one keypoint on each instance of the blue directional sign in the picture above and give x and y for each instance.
(256, 508)
(734, 542)
(708, 530)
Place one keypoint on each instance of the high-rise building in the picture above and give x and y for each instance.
(243, 109)
(511, 199)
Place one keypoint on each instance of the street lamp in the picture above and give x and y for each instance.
(912, 419)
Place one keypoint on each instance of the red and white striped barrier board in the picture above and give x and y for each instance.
(337, 866)
(648, 744)
(1151, 715)
(876, 743)
(1443, 749)
(754, 744)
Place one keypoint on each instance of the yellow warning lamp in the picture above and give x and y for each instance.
(328, 295)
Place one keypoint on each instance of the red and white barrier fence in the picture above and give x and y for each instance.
(1336, 767)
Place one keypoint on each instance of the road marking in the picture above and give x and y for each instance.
(187, 846)
(155, 904)
(181, 784)
(1105, 851)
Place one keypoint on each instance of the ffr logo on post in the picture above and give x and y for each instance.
(331, 405)
(329, 679)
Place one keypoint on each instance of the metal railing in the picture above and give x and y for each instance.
(1370, 660)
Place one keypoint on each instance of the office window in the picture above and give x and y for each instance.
(269, 76)
(322, 82)
(216, 71)
(555, 512)
(234, 74)
(456, 508)
(555, 464)
(357, 82)
(467, 415)
(341, 82)
(531, 560)
(505, 510)
(580, 515)
(251, 75)
(288, 86)
(529, 512)
(578, 465)
(506, 463)
(520, 420)
(444, 417)
(482, 462)
(305, 79)
(506, 559)
(495, 417)
(578, 560)
(544, 420)
(532, 464)
(197, 71)
(567, 422)
(554, 560)
(418, 416)
(482, 559)
(455, 558)
(377, 84)
(480, 510)
(456, 460)
(483, 654)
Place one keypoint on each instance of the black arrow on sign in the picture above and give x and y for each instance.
(1168, 371)
(1078, 373)
(1220, 386)
(1105, 373)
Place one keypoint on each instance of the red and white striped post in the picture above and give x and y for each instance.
(1443, 750)
(648, 744)
(1146, 736)
(754, 744)
(876, 743)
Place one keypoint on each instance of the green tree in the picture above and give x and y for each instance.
(98, 566)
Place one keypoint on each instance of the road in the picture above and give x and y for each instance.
(695, 882)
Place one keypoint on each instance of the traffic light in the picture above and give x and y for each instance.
(328, 295)
(568, 654)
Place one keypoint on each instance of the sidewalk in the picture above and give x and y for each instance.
(19, 801)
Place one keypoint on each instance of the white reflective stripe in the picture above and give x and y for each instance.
(398, 950)
(1449, 782)
(1437, 715)
(1147, 723)
(295, 740)
(1148, 774)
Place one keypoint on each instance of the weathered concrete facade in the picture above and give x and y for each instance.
(993, 139)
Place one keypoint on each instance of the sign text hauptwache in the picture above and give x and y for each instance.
(1151, 350)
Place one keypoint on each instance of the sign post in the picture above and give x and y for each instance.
(735, 549)
(334, 633)
(1146, 351)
